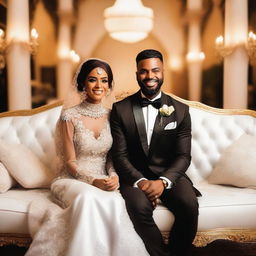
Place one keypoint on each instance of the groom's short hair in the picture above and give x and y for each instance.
(147, 54)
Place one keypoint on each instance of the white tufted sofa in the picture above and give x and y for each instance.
(225, 212)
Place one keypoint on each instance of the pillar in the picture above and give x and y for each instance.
(194, 56)
(64, 70)
(236, 64)
(18, 55)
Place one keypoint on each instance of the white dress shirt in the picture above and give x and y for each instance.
(150, 113)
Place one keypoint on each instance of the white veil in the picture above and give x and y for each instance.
(73, 96)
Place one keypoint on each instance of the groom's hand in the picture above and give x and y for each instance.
(153, 189)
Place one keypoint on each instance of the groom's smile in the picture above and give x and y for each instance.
(151, 82)
(150, 76)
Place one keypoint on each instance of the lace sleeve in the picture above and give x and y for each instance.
(88, 177)
(110, 169)
(68, 120)
(66, 130)
(109, 166)
(69, 114)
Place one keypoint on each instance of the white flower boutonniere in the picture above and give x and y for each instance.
(165, 111)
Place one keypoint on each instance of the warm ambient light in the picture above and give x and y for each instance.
(33, 41)
(195, 56)
(175, 63)
(128, 21)
(34, 34)
(31, 45)
(251, 47)
(225, 50)
(69, 55)
(1, 33)
(2, 49)
(251, 36)
(219, 40)
(74, 56)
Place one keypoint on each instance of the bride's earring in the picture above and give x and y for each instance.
(108, 92)
(83, 95)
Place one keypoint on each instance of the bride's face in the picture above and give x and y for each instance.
(96, 85)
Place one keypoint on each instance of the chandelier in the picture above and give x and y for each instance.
(128, 21)
(31, 45)
(225, 50)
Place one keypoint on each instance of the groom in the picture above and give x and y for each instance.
(151, 153)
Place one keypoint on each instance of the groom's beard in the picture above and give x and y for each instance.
(147, 91)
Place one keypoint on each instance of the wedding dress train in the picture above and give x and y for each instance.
(92, 222)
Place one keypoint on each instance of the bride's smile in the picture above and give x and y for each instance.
(96, 85)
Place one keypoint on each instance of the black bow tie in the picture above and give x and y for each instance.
(155, 103)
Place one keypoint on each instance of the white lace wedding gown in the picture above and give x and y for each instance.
(93, 222)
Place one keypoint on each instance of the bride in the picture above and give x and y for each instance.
(94, 221)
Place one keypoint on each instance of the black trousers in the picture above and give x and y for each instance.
(181, 200)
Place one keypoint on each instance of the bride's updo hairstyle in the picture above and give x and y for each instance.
(87, 67)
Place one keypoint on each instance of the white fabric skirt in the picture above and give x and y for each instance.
(93, 223)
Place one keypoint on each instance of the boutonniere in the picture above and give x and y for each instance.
(165, 111)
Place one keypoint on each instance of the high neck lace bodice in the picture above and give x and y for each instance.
(90, 150)
(92, 110)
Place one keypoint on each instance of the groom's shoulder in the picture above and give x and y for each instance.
(178, 104)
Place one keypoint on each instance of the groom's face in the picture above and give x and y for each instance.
(150, 76)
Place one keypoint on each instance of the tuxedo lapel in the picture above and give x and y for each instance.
(161, 122)
(140, 123)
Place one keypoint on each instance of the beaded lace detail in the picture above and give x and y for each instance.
(91, 152)
(91, 110)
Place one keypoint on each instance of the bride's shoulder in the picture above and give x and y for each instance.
(69, 114)
(108, 110)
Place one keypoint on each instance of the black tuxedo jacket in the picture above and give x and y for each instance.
(167, 155)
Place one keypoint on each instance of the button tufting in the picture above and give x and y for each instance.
(211, 134)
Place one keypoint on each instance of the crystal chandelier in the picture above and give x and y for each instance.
(128, 21)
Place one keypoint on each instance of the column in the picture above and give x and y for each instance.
(18, 55)
(212, 29)
(236, 64)
(64, 71)
(194, 56)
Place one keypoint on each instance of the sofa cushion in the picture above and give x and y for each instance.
(14, 206)
(237, 164)
(212, 133)
(219, 207)
(6, 180)
(24, 166)
(226, 207)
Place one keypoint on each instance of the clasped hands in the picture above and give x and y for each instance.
(153, 189)
(108, 184)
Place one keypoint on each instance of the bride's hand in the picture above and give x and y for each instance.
(99, 183)
(107, 184)
(112, 183)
